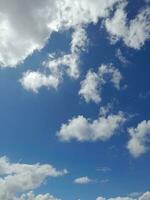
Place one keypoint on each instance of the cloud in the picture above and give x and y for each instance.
(92, 85)
(70, 62)
(135, 194)
(78, 12)
(83, 129)
(83, 180)
(89, 88)
(19, 178)
(135, 32)
(121, 57)
(138, 143)
(35, 80)
(58, 66)
(105, 110)
(32, 196)
(145, 196)
(26, 26)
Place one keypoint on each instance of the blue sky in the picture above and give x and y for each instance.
(75, 91)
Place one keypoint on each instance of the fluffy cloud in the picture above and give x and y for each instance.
(19, 178)
(68, 63)
(89, 88)
(35, 80)
(83, 180)
(84, 12)
(145, 196)
(25, 26)
(135, 32)
(137, 144)
(32, 196)
(83, 129)
(92, 85)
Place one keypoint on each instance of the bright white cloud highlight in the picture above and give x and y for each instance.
(83, 180)
(82, 129)
(145, 196)
(138, 143)
(92, 85)
(135, 32)
(19, 178)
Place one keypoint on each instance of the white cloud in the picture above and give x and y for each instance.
(145, 196)
(68, 63)
(25, 26)
(83, 129)
(100, 198)
(89, 88)
(83, 180)
(32, 196)
(138, 143)
(105, 110)
(134, 194)
(121, 57)
(80, 12)
(135, 32)
(35, 80)
(92, 85)
(19, 178)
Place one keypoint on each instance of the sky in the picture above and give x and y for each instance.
(74, 100)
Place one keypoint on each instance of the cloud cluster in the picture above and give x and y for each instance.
(140, 135)
(57, 66)
(16, 178)
(135, 32)
(69, 63)
(92, 85)
(32, 196)
(26, 26)
(145, 196)
(83, 129)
